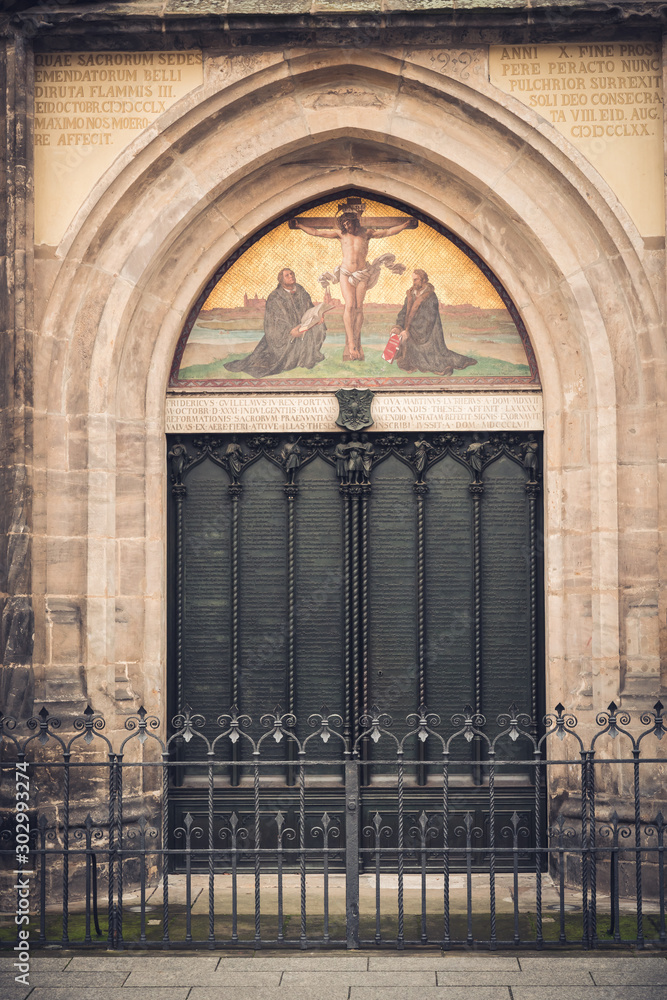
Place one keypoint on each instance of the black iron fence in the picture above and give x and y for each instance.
(238, 834)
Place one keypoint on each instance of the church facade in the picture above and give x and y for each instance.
(483, 183)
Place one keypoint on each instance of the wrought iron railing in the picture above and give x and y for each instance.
(182, 839)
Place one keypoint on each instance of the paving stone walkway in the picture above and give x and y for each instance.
(339, 976)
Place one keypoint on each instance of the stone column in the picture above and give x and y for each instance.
(661, 623)
(17, 626)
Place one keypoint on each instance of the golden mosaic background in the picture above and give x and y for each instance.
(454, 276)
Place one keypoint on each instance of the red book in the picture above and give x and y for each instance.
(392, 347)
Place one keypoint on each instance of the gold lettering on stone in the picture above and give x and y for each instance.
(88, 108)
(472, 411)
(607, 99)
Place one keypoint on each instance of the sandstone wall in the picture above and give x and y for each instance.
(270, 128)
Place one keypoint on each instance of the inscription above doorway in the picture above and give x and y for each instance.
(316, 412)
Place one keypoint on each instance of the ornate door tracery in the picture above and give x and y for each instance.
(355, 570)
(365, 573)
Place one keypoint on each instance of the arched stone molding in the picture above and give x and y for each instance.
(226, 161)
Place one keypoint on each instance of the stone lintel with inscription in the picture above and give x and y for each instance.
(190, 414)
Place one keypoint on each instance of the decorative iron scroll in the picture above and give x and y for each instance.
(420, 452)
(85, 820)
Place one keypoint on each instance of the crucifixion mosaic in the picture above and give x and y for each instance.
(355, 291)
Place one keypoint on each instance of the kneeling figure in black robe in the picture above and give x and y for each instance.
(419, 325)
(282, 347)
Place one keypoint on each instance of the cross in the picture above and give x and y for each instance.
(356, 206)
(355, 272)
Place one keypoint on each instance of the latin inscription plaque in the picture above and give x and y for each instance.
(607, 100)
(317, 414)
(88, 107)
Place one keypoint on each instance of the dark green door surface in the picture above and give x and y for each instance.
(415, 578)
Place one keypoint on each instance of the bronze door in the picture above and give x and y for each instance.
(401, 572)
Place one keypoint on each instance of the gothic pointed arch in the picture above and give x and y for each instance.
(205, 181)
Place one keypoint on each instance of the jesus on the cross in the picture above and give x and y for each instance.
(355, 273)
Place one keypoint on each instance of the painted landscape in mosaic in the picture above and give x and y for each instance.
(354, 292)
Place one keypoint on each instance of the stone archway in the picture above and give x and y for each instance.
(251, 145)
